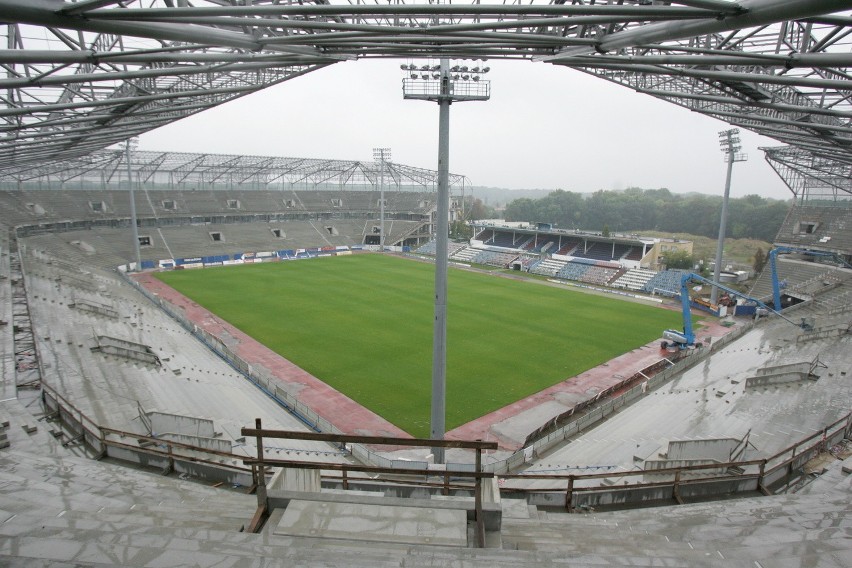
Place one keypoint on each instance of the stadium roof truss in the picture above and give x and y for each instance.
(105, 169)
(810, 176)
(81, 76)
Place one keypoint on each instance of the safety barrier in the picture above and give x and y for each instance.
(266, 383)
(143, 450)
(476, 473)
(608, 406)
(572, 492)
(678, 484)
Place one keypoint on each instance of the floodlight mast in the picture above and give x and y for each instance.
(381, 154)
(131, 144)
(444, 89)
(729, 142)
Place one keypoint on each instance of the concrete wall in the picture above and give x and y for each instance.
(667, 464)
(88, 306)
(215, 444)
(776, 379)
(129, 354)
(162, 423)
(718, 449)
(207, 472)
(801, 367)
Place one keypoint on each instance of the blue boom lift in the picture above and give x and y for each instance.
(773, 254)
(686, 338)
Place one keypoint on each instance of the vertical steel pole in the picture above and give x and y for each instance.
(382, 198)
(720, 245)
(477, 498)
(439, 339)
(133, 209)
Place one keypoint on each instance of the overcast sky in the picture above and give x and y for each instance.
(545, 127)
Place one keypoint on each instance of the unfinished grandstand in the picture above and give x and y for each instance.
(140, 431)
(115, 371)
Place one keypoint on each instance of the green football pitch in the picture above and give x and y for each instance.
(363, 324)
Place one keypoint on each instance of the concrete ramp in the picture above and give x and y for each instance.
(374, 523)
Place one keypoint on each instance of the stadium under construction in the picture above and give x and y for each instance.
(139, 429)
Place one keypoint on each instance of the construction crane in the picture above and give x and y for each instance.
(773, 254)
(686, 339)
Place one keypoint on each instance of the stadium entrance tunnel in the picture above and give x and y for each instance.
(788, 301)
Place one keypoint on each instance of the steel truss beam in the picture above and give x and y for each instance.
(80, 76)
(103, 169)
(811, 177)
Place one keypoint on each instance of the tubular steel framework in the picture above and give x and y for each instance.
(81, 76)
(107, 169)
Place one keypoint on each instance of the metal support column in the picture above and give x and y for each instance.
(439, 337)
(723, 226)
(381, 154)
(439, 86)
(133, 207)
(729, 142)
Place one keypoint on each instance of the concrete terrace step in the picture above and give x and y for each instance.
(833, 479)
(41, 494)
(85, 493)
(159, 547)
(632, 554)
(98, 529)
(739, 514)
(788, 536)
(83, 545)
(71, 489)
(728, 548)
(110, 479)
(213, 515)
(210, 519)
(67, 510)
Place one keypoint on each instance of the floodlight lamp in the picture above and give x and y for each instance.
(455, 77)
(486, 69)
(455, 69)
(414, 75)
(436, 68)
(464, 69)
(465, 76)
(381, 154)
(475, 69)
(476, 77)
(436, 75)
(404, 67)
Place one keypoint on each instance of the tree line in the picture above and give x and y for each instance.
(636, 209)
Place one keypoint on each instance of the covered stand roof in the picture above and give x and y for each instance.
(168, 170)
(80, 76)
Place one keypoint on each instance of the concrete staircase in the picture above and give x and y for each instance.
(808, 528)
(60, 510)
